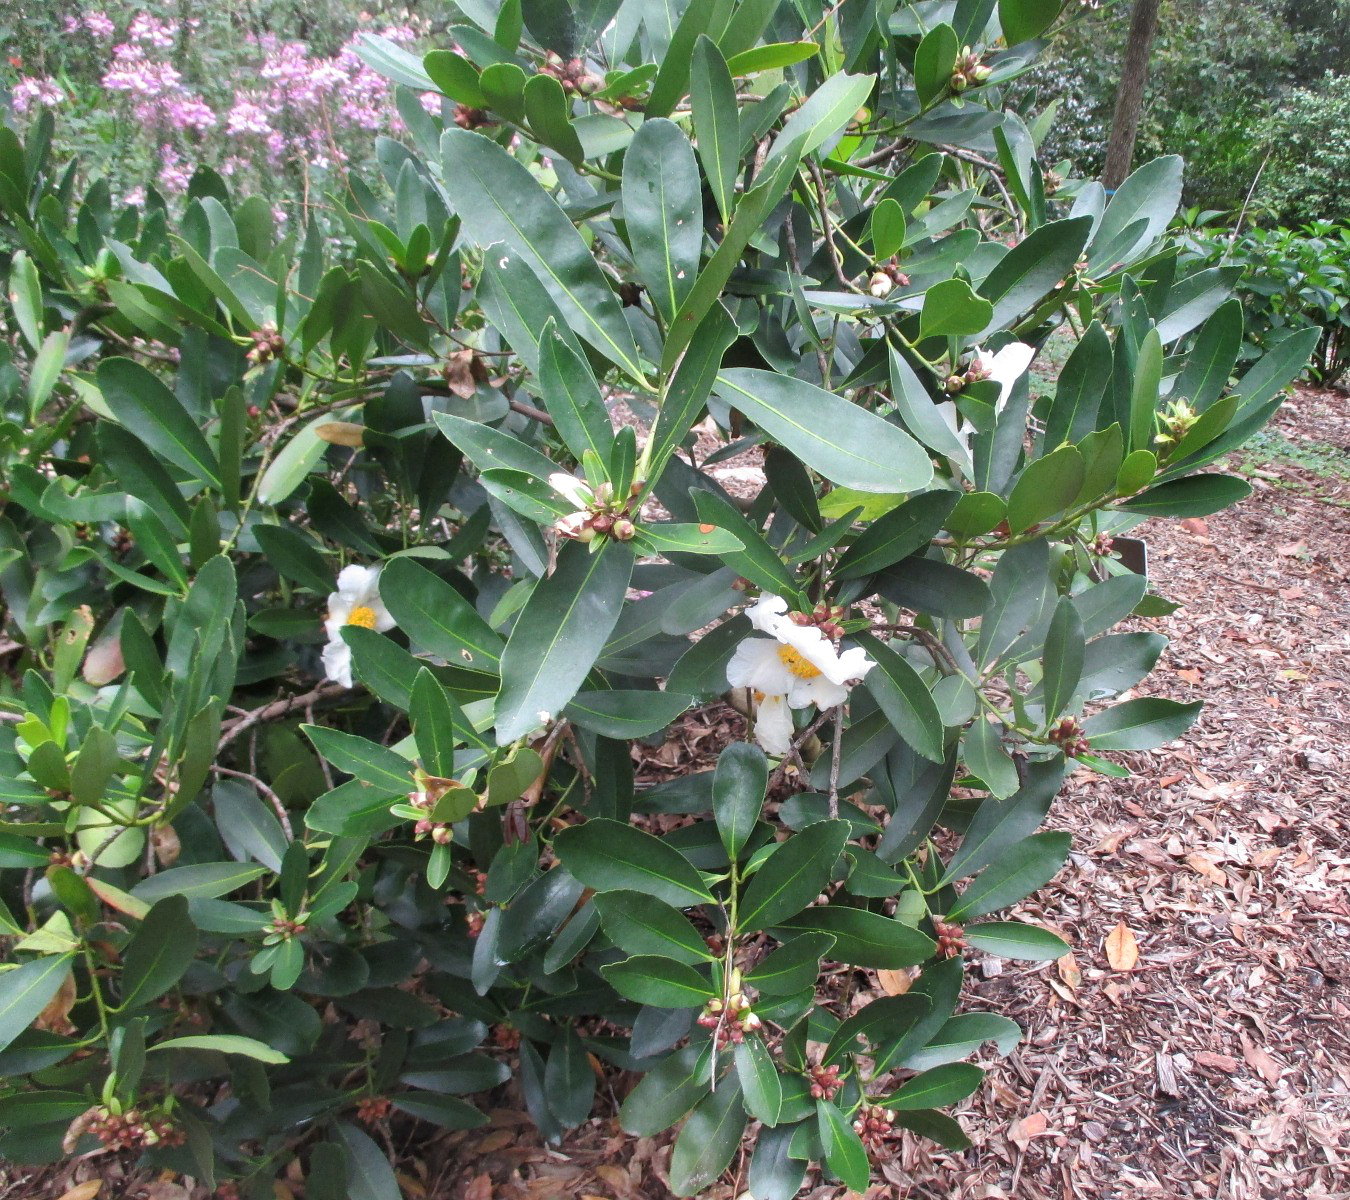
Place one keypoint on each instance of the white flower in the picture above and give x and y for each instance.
(573, 490)
(1005, 368)
(797, 662)
(356, 602)
(773, 725)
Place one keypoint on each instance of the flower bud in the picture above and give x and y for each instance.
(623, 530)
(953, 384)
(880, 285)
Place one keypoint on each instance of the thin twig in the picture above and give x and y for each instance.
(278, 807)
(279, 708)
(834, 759)
(827, 227)
(797, 743)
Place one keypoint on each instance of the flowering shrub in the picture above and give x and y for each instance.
(343, 579)
(279, 114)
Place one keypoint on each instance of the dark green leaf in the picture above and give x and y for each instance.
(1013, 939)
(716, 122)
(845, 1154)
(662, 982)
(1019, 871)
(611, 856)
(158, 953)
(841, 441)
(640, 924)
(739, 785)
(864, 939)
(897, 534)
(792, 876)
(708, 1140)
(501, 204)
(1142, 724)
(145, 407)
(905, 699)
(938, 1087)
(559, 635)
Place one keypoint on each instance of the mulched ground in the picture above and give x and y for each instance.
(1216, 1064)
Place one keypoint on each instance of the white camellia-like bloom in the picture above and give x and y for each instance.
(356, 602)
(773, 725)
(1005, 368)
(795, 667)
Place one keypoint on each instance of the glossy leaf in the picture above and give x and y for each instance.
(793, 876)
(841, 441)
(661, 207)
(558, 636)
(610, 856)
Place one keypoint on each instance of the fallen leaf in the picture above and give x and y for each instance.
(1168, 781)
(1068, 970)
(1028, 1127)
(480, 1188)
(1196, 525)
(84, 1191)
(894, 983)
(1191, 675)
(1203, 866)
(1122, 951)
(1260, 1060)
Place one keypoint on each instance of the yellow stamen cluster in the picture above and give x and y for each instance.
(362, 615)
(797, 663)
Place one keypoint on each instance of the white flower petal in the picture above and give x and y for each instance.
(773, 725)
(1007, 367)
(337, 661)
(757, 665)
(766, 613)
(355, 583)
(820, 691)
(571, 489)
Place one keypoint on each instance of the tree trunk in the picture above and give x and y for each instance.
(1130, 97)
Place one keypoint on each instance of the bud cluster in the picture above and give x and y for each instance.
(734, 1019)
(506, 1036)
(572, 74)
(825, 617)
(131, 1130)
(282, 929)
(976, 371)
(969, 70)
(1103, 545)
(1068, 735)
(600, 516)
(874, 1125)
(1176, 421)
(372, 1109)
(267, 345)
(886, 277)
(825, 1082)
(951, 938)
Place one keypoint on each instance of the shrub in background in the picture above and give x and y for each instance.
(1292, 280)
(1309, 140)
(294, 856)
(276, 103)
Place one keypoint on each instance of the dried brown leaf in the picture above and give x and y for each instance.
(1122, 951)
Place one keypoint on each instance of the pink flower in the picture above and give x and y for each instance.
(99, 24)
(247, 117)
(31, 90)
(150, 32)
